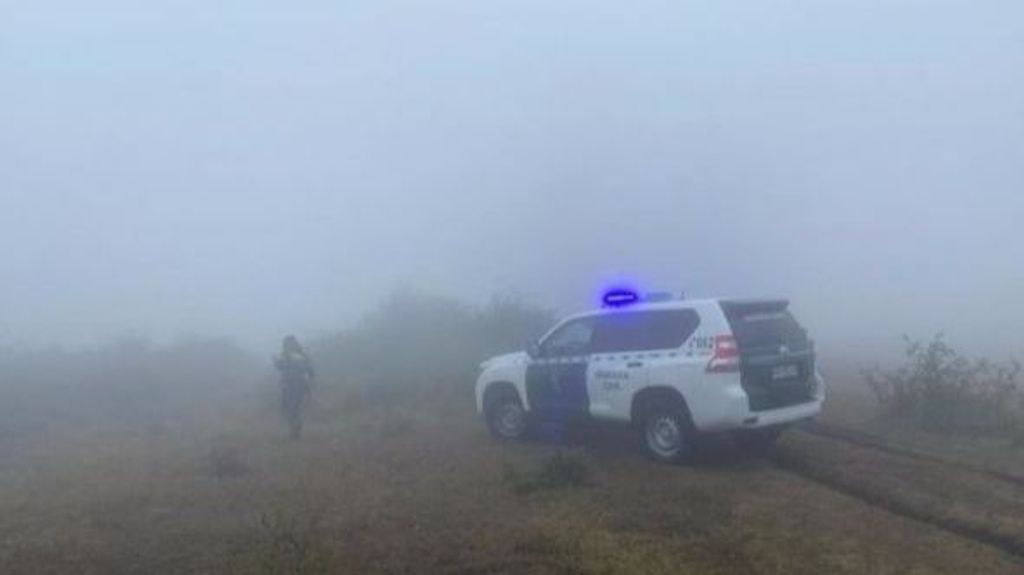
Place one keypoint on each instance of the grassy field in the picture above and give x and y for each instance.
(421, 488)
(851, 406)
(133, 458)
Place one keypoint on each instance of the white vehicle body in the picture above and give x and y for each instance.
(723, 381)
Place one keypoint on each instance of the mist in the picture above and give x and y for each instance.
(276, 278)
(250, 169)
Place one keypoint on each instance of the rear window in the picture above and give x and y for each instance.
(644, 330)
(764, 325)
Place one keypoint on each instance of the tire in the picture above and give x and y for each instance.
(667, 435)
(757, 441)
(506, 418)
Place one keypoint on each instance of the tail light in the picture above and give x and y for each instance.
(726, 358)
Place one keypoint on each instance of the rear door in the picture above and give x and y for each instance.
(776, 356)
(556, 380)
(634, 349)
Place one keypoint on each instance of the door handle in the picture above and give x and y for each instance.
(635, 364)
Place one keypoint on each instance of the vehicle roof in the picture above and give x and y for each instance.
(647, 306)
(682, 304)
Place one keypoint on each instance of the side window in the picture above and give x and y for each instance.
(573, 338)
(644, 331)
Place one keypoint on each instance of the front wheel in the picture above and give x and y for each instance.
(506, 417)
(667, 436)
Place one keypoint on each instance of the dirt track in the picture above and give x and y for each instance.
(981, 504)
(868, 441)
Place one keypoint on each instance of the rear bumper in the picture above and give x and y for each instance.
(784, 415)
(790, 414)
(734, 412)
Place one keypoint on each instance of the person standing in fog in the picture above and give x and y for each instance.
(296, 382)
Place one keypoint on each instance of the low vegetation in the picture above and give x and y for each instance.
(170, 459)
(292, 544)
(561, 470)
(939, 389)
(417, 345)
(227, 462)
(414, 345)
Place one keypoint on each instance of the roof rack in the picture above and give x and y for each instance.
(660, 296)
(626, 297)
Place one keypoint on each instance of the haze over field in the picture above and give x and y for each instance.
(253, 168)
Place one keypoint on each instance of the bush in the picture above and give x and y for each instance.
(292, 545)
(559, 471)
(413, 344)
(226, 462)
(417, 343)
(941, 390)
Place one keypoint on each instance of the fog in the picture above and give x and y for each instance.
(245, 169)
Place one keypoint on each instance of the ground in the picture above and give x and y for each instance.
(422, 488)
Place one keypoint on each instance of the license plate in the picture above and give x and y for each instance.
(785, 372)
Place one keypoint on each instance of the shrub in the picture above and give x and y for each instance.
(226, 462)
(413, 345)
(559, 471)
(419, 344)
(941, 390)
(291, 545)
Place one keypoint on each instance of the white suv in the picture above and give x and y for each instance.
(671, 368)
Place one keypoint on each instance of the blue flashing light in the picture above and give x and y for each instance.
(620, 297)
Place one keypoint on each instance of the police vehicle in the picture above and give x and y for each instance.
(673, 368)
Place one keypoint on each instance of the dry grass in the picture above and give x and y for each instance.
(152, 460)
(977, 504)
(851, 405)
(560, 470)
(422, 489)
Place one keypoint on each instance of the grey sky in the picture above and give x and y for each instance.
(248, 168)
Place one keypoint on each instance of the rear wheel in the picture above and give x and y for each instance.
(506, 417)
(667, 435)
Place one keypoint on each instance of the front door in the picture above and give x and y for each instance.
(556, 380)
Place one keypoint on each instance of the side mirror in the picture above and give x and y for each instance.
(533, 350)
